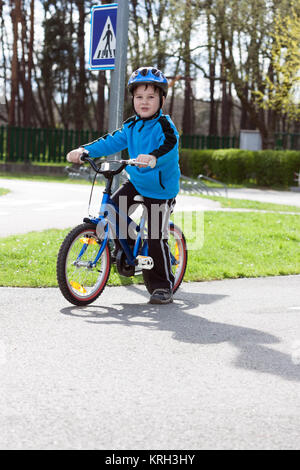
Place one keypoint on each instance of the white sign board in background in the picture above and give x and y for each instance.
(250, 140)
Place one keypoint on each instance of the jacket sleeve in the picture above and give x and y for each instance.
(108, 144)
(168, 139)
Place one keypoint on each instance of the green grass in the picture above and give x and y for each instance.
(235, 245)
(3, 191)
(256, 205)
(29, 260)
(247, 245)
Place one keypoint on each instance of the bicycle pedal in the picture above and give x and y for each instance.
(144, 262)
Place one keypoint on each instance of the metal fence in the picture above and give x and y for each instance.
(288, 141)
(209, 141)
(283, 141)
(19, 144)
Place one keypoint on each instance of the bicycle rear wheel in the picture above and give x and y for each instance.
(79, 280)
(178, 254)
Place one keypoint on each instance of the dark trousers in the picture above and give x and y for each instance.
(158, 211)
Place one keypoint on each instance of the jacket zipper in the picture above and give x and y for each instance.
(160, 182)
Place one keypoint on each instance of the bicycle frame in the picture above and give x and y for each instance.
(107, 222)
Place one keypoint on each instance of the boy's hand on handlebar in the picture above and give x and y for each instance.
(74, 156)
(150, 160)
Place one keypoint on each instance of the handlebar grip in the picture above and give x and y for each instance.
(84, 156)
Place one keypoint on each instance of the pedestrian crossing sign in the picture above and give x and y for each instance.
(103, 37)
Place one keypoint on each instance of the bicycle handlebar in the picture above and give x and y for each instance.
(123, 163)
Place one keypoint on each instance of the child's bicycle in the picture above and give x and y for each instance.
(84, 258)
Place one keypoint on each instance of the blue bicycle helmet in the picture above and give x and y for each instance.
(148, 76)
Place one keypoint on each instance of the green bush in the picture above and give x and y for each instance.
(264, 167)
(233, 165)
(195, 162)
(276, 167)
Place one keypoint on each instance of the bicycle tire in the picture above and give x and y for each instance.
(72, 290)
(183, 254)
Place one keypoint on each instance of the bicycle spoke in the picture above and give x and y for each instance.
(81, 277)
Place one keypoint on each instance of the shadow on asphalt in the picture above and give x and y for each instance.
(190, 328)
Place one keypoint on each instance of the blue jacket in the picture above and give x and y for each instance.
(158, 137)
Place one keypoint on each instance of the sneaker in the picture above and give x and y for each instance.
(161, 296)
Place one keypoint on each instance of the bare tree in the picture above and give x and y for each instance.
(81, 82)
(188, 107)
(212, 58)
(26, 66)
(16, 19)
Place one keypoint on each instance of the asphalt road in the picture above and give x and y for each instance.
(217, 369)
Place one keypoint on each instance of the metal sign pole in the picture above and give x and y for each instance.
(117, 90)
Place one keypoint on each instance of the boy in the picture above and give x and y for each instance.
(149, 134)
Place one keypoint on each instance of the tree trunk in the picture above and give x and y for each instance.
(213, 117)
(188, 111)
(27, 67)
(172, 84)
(135, 33)
(80, 86)
(4, 65)
(212, 52)
(226, 99)
(15, 18)
(225, 117)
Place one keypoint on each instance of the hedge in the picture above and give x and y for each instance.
(264, 167)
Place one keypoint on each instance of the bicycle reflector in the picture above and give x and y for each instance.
(78, 287)
(177, 251)
(88, 241)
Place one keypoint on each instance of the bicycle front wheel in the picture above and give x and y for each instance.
(81, 275)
